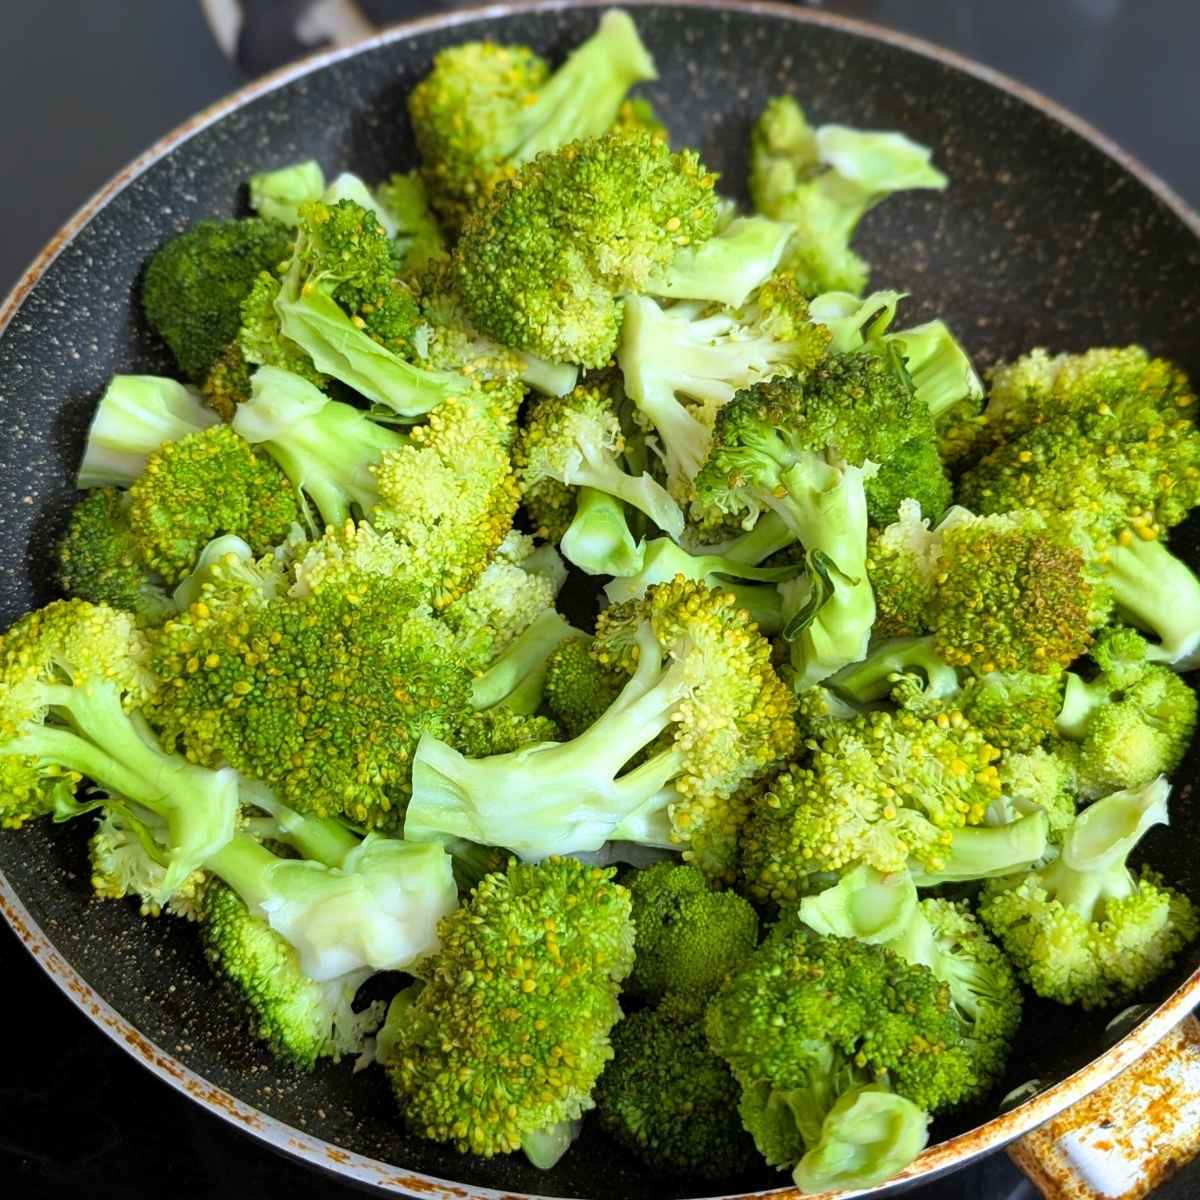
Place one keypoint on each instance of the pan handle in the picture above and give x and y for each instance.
(1128, 1136)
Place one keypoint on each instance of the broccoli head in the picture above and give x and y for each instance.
(579, 687)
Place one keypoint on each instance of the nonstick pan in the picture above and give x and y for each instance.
(1048, 235)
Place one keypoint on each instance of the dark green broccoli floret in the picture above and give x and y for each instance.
(195, 285)
(579, 687)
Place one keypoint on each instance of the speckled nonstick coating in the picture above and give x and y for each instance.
(1042, 239)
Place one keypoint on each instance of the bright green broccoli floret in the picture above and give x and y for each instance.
(879, 789)
(1086, 929)
(489, 1058)
(914, 472)
(485, 109)
(579, 688)
(136, 415)
(669, 1099)
(573, 441)
(805, 448)
(200, 487)
(1037, 781)
(690, 938)
(542, 265)
(842, 1049)
(682, 364)
(703, 679)
(195, 285)
(884, 910)
(100, 558)
(300, 1019)
(1131, 723)
(637, 114)
(824, 180)
(901, 562)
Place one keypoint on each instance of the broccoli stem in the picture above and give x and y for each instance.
(988, 851)
(599, 471)
(873, 678)
(320, 839)
(728, 267)
(521, 669)
(939, 367)
(769, 535)
(551, 379)
(278, 194)
(1080, 701)
(245, 864)
(1158, 593)
(598, 540)
(544, 1147)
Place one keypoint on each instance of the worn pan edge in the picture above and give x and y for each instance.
(937, 1160)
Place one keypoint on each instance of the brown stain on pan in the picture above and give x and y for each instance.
(937, 1159)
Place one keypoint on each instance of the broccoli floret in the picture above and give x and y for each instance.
(690, 938)
(663, 560)
(842, 1049)
(417, 240)
(261, 341)
(227, 383)
(136, 415)
(1131, 723)
(914, 473)
(126, 862)
(805, 448)
(682, 364)
(1036, 781)
(669, 1099)
(637, 114)
(487, 1059)
(879, 789)
(541, 266)
(485, 109)
(341, 303)
(1013, 710)
(945, 937)
(901, 563)
(100, 559)
(300, 1019)
(573, 441)
(1086, 929)
(204, 485)
(823, 181)
(703, 679)
(579, 688)
(195, 285)
(278, 194)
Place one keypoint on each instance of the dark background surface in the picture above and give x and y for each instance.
(87, 87)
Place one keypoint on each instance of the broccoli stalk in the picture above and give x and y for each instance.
(599, 541)
(136, 415)
(874, 678)
(278, 194)
(988, 851)
(517, 677)
(1159, 593)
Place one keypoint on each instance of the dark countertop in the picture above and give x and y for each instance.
(87, 88)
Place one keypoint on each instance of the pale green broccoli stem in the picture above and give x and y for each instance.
(325, 448)
(663, 560)
(556, 798)
(873, 678)
(852, 321)
(222, 550)
(598, 540)
(349, 187)
(769, 535)
(135, 417)
(940, 369)
(989, 851)
(545, 1147)
(551, 379)
(727, 267)
(1080, 702)
(868, 1136)
(518, 676)
(867, 905)
(245, 864)
(319, 839)
(598, 469)
(828, 614)
(583, 96)
(278, 194)
(1159, 593)
(118, 752)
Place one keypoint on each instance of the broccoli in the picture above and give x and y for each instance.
(1036, 781)
(1015, 710)
(901, 565)
(663, 560)
(136, 415)
(574, 441)
(278, 194)
(100, 559)
(690, 939)
(579, 688)
(195, 285)
(201, 486)
(805, 448)
(1086, 929)
(485, 109)
(842, 1049)
(260, 342)
(877, 675)
(598, 539)
(682, 364)
(417, 240)
(703, 676)
(941, 935)
(341, 303)
(823, 181)
(637, 114)
(1132, 722)
(348, 186)
(880, 788)
(668, 1099)
(494, 1059)
(542, 264)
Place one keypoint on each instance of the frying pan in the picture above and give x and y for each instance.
(1048, 235)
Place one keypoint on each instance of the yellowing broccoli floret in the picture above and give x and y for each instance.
(508, 1032)
(1086, 929)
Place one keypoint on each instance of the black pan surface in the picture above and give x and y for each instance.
(1041, 239)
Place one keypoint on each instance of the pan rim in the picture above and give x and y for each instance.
(939, 1159)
